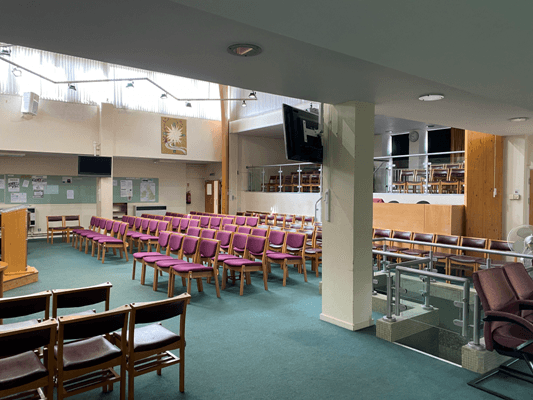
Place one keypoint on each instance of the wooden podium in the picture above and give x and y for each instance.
(13, 226)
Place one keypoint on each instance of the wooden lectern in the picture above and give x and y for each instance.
(13, 226)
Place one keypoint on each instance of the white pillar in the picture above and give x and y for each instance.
(104, 186)
(347, 247)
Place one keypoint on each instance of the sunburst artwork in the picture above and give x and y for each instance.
(173, 136)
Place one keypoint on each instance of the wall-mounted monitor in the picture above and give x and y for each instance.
(94, 166)
(303, 141)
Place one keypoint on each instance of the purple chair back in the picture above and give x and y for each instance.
(204, 222)
(226, 221)
(295, 240)
(123, 229)
(190, 245)
(164, 238)
(208, 248)
(102, 223)
(239, 240)
(145, 223)
(109, 224)
(131, 222)
(240, 220)
(159, 217)
(298, 218)
(194, 231)
(308, 219)
(259, 232)
(93, 221)
(215, 222)
(152, 226)
(124, 218)
(176, 224)
(208, 233)
(144, 215)
(175, 242)
(116, 227)
(252, 221)
(167, 218)
(224, 237)
(184, 224)
(162, 226)
(256, 245)
(230, 228)
(244, 229)
(276, 237)
(195, 223)
(195, 217)
(137, 223)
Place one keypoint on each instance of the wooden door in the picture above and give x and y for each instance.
(212, 197)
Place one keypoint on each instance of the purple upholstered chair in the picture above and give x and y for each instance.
(99, 227)
(194, 223)
(163, 263)
(275, 241)
(238, 245)
(226, 221)
(506, 330)
(260, 232)
(255, 250)
(152, 236)
(208, 233)
(162, 242)
(175, 224)
(184, 224)
(143, 230)
(240, 220)
(89, 238)
(193, 231)
(159, 217)
(230, 227)
(167, 218)
(215, 223)
(252, 221)
(293, 253)
(76, 232)
(204, 222)
(207, 250)
(225, 240)
(244, 229)
(117, 242)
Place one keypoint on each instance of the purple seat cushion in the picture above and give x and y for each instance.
(169, 263)
(161, 257)
(223, 257)
(238, 249)
(136, 235)
(148, 237)
(186, 267)
(237, 262)
(109, 240)
(79, 230)
(283, 256)
(94, 234)
(142, 254)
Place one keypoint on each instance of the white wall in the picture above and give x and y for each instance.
(195, 177)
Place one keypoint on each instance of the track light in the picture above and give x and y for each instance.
(130, 85)
(16, 72)
(187, 104)
(164, 96)
(72, 86)
(244, 103)
(252, 96)
(5, 52)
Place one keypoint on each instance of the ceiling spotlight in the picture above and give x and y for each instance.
(164, 96)
(431, 97)
(129, 85)
(16, 72)
(244, 103)
(518, 119)
(244, 50)
(5, 52)
(187, 104)
(72, 86)
(252, 96)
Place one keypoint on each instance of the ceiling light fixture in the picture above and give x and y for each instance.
(130, 85)
(16, 72)
(252, 96)
(5, 52)
(244, 50)
(431, 97)
(164, 96)
(244, 103)
(72, 86)
(187, 104)
(518, 119)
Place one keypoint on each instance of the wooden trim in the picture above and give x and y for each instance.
(225, 149)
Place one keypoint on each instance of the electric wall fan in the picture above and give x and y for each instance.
(521, 241)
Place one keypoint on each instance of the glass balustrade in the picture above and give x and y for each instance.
(285, 178)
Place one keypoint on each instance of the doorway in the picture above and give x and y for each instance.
(212, 197)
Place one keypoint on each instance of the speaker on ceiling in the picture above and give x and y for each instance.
(30, 103)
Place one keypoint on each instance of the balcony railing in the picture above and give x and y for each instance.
(420, 173)
(285, 178)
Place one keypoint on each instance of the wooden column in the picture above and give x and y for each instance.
(225, 148)
(484, 173)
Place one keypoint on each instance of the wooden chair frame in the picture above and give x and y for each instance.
(19, 306)
(285, 262)
(52, 230)
(81, 297)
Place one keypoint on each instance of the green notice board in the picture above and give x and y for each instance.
(135, 190)
(48, 189)
(2, 186)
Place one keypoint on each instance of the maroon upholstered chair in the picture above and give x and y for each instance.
(214, 223)
(240, 220)
(293, 253)
(496, 261)
(184, 225)
(208, 233)
(419, 250)
(143, 230)
(256, 247)
(464, 262)
(252, 221)
(230, 227)
(244, 229)
(521, 283)
(397, 247)
(260, 232)
(162, 242)
(442, 254)
(204, 222)
(275, 241)
(194, 223)
(208, 250)
(506, 331)
(175, 224)
(193, 231)
(118, 242)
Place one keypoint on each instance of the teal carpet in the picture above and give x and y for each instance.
(263, 345)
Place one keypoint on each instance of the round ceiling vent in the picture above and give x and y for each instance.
(244, 50)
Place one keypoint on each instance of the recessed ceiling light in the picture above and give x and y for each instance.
(518, 119)
(5, 52)
(244, 50)
(431, 97)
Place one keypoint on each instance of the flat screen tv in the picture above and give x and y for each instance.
(94, 166)
(301, 133)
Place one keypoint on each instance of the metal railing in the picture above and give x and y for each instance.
(259, 177)
(429, 273)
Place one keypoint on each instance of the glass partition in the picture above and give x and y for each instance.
(285, 178)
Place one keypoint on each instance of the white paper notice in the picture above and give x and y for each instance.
(38, 186)
(115, 182)
(38, 194)
(38, 179)
(25, 183)
(13, 184)
(51, 189)
(18, 197)
(147, 191)
(209, 189)
(70, 194)
(126, 188)
(2, 184)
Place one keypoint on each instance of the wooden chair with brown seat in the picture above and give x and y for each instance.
(71, 222)
(21, 371)
(81, 297)
(55, 224)
(20, 306)
(441, 253)
(417, 184)
(85, 359)
(496, 260)
(419, 250)
(465, 262)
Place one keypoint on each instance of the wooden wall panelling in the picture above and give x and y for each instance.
(457, 143)
(484, 173)
(445, 219)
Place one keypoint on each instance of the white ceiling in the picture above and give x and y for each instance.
(386, 52)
